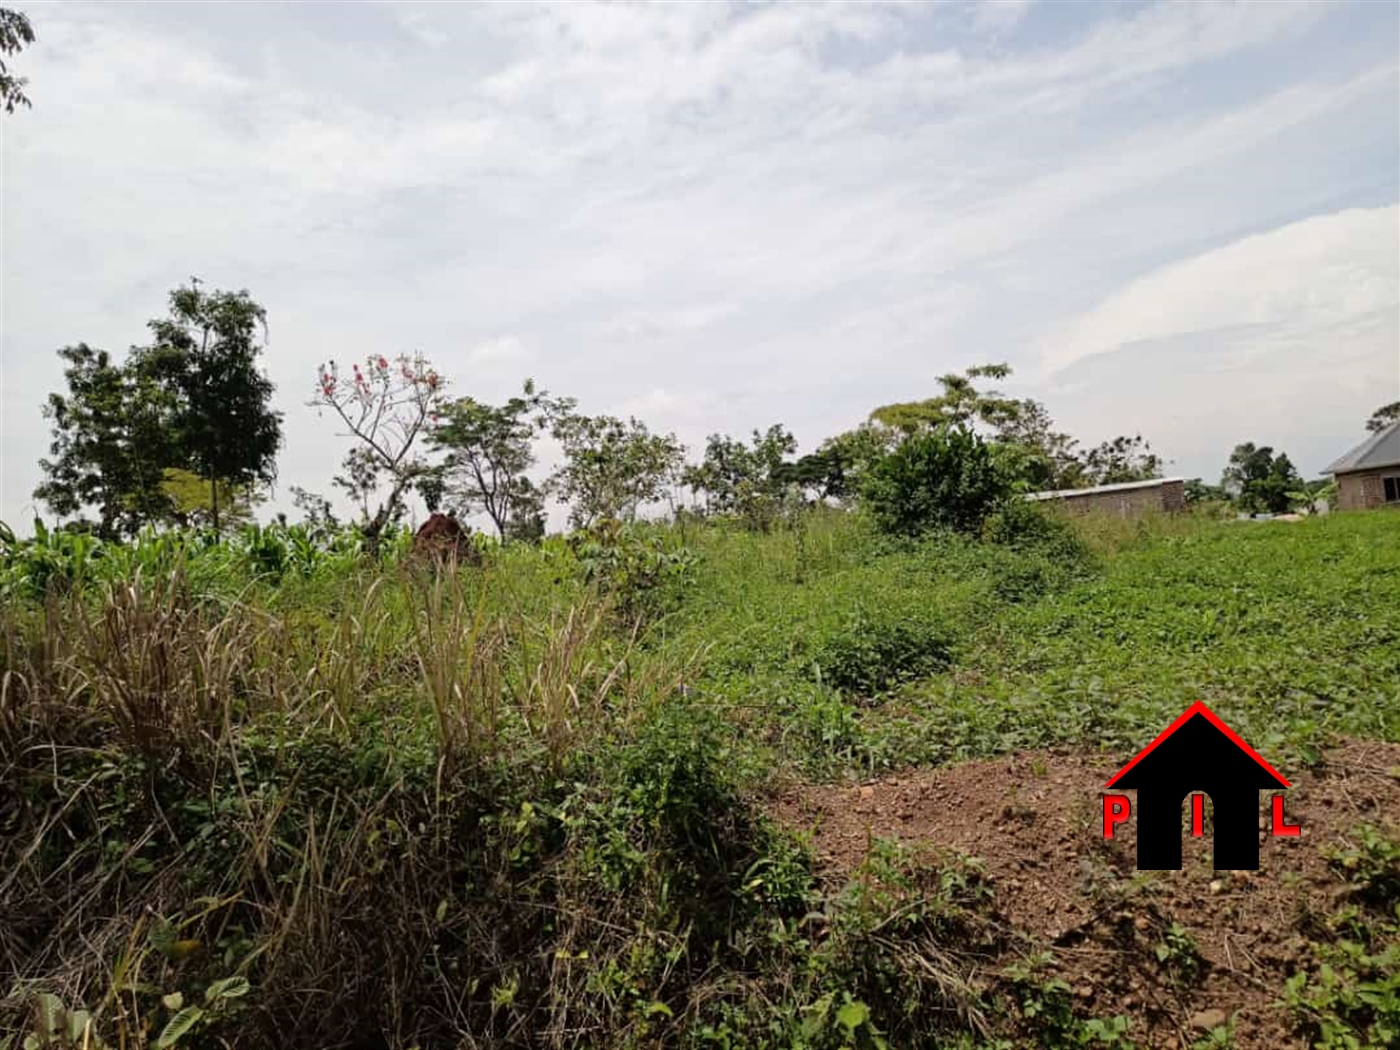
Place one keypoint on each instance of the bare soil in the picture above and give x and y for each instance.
(1035, 820)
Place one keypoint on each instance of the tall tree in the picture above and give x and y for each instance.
(1048, 458)
(489, 449)
(112, 441)
(205, 355)
(611, 467)
(733, 472)
(386, 407)
(960, 404)
(1383, 417)
(1122, 459)
(15, 33)
(1259, 480)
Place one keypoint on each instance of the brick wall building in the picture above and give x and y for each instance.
(1369, 475)
(1130, 499)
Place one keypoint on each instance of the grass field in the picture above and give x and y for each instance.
(260, 793)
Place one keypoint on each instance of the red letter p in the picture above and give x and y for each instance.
(1116, 809)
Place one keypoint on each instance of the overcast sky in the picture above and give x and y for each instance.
(1176, 219)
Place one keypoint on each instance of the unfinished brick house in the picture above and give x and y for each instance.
(1129, 499)
(1369, 475)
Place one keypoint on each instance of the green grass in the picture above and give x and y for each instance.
(519, 800)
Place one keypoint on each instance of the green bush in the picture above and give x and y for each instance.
(948, 478)
(869, 651)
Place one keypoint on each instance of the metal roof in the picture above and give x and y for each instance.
(1381, 449)
(1122, 486)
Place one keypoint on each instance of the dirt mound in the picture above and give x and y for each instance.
(441, 538)
(1035, 821)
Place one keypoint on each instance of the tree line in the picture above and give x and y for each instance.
(182, 431)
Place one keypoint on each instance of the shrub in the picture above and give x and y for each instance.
(947, 478)
(870, 651)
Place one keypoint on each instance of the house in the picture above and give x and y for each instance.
(1129, 499)
(1369, 475)
(1198, 752)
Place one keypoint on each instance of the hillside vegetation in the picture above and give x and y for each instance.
(269, 791)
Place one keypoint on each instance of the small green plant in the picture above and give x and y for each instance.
(1179, 955)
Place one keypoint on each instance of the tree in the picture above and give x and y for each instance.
(386, 409)
(837, 468)
(944, 478)
(960, 404)
(205, 356)
(15, 33)
(192, 502)
(1258, 480)
(1047, 458)
(734, 474)
(1383, 417)
(1043, 458)
(1197, 491)
(489, 449)
(112, 441)
(611, 467)
(1122, 459)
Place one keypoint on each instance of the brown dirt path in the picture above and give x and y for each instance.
(1034, 819)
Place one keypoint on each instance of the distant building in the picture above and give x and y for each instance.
(1369, 475)
(1129, 499)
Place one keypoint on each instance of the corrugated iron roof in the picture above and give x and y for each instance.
(1381, 449)
(1122, 486)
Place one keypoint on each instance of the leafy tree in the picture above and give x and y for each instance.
(1047, 458)
(1383, 417)
(386, 408)
(944, 478)
(1258, 480)
(316, 511)
(611, 467)
(960, 404)
(15, 33)
(1197, 491)
(526, 521)
(111, 444)
(837, 468)
(735, 476)
(192, 502)
(1122, 459)
(489, 449)
(205, 357)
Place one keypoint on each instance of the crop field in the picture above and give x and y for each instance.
(690, 785)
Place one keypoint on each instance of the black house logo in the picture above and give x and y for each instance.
(1198, 753)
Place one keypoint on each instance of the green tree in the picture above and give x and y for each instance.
(386, 407)
(15, 33)
(960, 404)
(112, 441)
(1258, 480)
(1383, 417)
(1040, 455)
(1046, 458)
(838, 467)
(735, 476)
(489, 449)
(192, 502)
(1120, 460)
(205, 356)
(611, 467)
(943, 478)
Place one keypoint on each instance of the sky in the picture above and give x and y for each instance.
(1180, 219)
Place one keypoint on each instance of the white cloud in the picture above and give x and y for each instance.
(997, 16)
(1308, 277)
(772, 212)
(501, 349)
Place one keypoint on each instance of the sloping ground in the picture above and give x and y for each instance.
(1034, 820)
